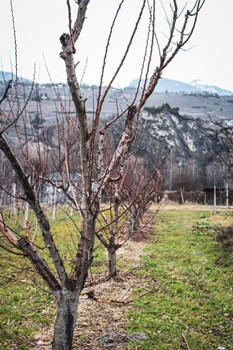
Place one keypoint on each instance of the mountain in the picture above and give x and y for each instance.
(187, 145)
(189, 137)
(6, 76)
(175, 86)
(212, 89)
(164, 85)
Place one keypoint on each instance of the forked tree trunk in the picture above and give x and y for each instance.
(65, 320)
(68, 298)
(112, 270)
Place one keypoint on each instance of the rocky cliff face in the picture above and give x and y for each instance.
(186, 136)
(188, 147)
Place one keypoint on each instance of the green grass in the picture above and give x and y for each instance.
(25, 303)
(193, 287)
(23, 309)
(194, 293)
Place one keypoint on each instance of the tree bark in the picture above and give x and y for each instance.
(133, 225)
(112, 270)
(67, 304)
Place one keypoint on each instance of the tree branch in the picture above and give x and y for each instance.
(27, 248)
(35, 205)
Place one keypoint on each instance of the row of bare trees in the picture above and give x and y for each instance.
(86, 140)
(128, 200)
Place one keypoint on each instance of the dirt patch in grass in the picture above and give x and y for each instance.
(224, 236)
(146, 231)
(104, 304)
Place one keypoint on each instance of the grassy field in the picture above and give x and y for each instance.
(189, 302)
(193, 302)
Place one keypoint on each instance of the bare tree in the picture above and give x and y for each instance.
(112, 226)
(91, 137)
(129, 197)
(141, 190)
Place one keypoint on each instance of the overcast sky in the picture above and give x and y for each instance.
(40, 23)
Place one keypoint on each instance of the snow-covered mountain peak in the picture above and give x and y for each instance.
(210, 88)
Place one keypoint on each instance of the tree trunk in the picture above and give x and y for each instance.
(133, 223)
(112, 270)
(65, 319)
(131, 227)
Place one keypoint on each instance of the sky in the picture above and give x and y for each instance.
(39, 24)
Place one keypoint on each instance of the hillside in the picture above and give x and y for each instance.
(175, 126)
(194, 99)
(201, 105)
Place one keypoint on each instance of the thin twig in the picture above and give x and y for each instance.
(185, 340)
